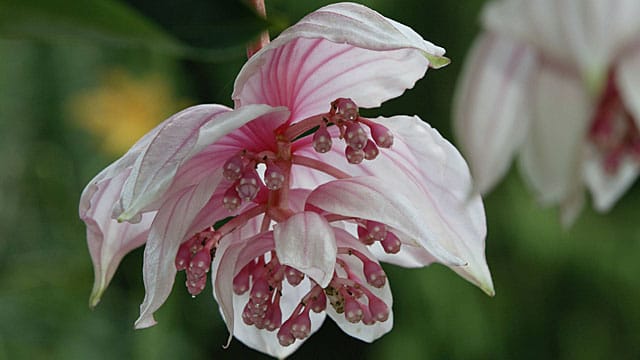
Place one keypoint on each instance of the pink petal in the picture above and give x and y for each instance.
(367, 333)
(168, 231)
(491, 106)
(306, 242)
(552, 155)
(107, 239)
(342, 50)
(183, 136)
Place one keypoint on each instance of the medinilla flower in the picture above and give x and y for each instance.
(557, 83)
(291, 200)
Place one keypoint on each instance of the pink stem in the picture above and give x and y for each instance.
(320, 166)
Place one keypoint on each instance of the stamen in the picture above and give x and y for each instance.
(380, 134)
(363, 236)
(354, 156)
(343, 109)
(377, 231)
(352, 311)
(233, 168)
(200, 263)
(231, 200)
(391, 244)
(274, 177)
(322, 140)
(374, 273)
(241, 280)
(249, 185)
(355, 136)
(294, 277)
(371, 151)
(379, 310)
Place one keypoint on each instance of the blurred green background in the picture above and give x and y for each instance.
(81, 80)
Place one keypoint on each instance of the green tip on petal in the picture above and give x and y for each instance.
(437, 62)
(95, 297)
(488, 290)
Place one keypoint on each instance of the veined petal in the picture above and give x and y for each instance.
(491, 106)
(341, 50)
(387, 202)
(367, 333)
(168, 231)
(306, 242)
(552, 155)
(107, 239)
(421, 156)
(182, 137)
(234, 251)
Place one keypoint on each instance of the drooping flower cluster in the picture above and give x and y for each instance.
(555, 82)
(289, 201)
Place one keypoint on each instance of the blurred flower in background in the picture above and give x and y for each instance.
(123, 107)
(558, 84)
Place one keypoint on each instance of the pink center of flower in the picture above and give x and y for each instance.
(249, 193)
(614, 131)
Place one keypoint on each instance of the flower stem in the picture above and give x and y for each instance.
(263, 39)
(320, 166)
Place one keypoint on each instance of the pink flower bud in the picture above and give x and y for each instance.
(322, 140)
(354, 156)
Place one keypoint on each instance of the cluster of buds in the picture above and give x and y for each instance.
(348, 294)
(194, 257)
(360, 144)
(246, 182)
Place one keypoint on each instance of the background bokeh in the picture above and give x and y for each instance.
(81, 80)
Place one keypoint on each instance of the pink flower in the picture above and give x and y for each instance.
(313, 194)
(555, 82)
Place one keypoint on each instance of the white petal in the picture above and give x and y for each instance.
(168, 231)
(491, 114)
(306, 242)
(107, 239)
(552, 155)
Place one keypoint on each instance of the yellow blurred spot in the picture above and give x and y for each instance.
(123, 108)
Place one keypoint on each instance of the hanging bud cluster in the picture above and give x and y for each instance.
(241, 170)
(263, 279)
(361, 145)
(349, 295)
(194, 257)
